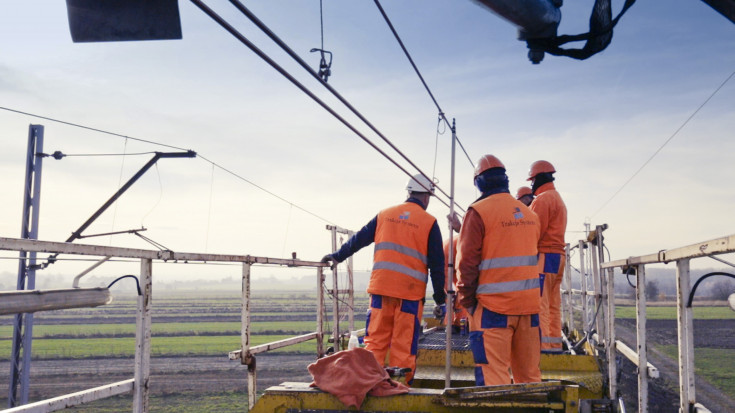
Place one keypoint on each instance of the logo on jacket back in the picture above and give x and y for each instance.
(405, 215)
(518, 214)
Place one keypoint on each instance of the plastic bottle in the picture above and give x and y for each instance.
(353, 342)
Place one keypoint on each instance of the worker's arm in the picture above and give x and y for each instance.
(361, 239)
(541, 207)
(435, 261)
(469, 256)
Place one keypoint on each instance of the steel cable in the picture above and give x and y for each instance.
(239, 36)
(265, 29)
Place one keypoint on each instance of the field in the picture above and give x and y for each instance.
(714, 356)
(193, 332)
(78, 349)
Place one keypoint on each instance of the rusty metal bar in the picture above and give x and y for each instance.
(16, 244)
(74, 399)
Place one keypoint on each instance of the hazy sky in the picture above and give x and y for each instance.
(597, 121)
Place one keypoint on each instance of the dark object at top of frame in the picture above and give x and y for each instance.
(123, 20)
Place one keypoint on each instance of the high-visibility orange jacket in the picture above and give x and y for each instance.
(552, 215)
(400, 264)
(505, 279)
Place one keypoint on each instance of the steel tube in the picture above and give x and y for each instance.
(74, 399)
(13, 302)
(687, 395)
(640, 318)
(143, 339)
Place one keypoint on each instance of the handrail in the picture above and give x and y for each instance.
(701, 249)
(17, 244)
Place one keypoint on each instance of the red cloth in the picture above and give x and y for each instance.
(351, 375)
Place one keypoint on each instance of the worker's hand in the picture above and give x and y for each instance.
(329, 259)
(454, 221)
(440, 311)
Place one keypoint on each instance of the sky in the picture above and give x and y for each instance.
(598, 121)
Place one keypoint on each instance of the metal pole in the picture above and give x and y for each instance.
(335, 297)
(450, 271)
(320, 312)
(20, 370)
(640, 317)
(141, 388)
(351, 294)
(567, 297)
(245, 357)
(687, 396)
(603, 285)
(596, 285)
(610, 342)
(585, 314)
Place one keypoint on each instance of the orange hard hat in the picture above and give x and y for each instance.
(523, 191)
(487, 162)
(540, 167)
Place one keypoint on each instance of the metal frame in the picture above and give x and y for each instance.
(682, 256)
(20, 358)
(140, 384)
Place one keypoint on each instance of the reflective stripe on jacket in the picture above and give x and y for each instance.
(509, 279)
(552, 215)
(400, 264)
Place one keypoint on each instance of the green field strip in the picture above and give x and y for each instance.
(160, 346)
(669, 313)
(229, 402)
(192, 329)
(716, 365)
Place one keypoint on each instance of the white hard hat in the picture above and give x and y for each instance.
(419, 183)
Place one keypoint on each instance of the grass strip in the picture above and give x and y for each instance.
(716, 365)
(160, 346)
(669, 313)
(190, 329)
(226, 402)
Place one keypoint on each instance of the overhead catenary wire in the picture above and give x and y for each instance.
(239, 36)
(90, 128)
(416, 69)
(265, 29)
(676, 132)
(199, 155)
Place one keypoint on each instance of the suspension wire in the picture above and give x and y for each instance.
(215, 164)
(263, 27)
(436, 142)
(76, 125)
(209, 213)
(160, 196)
(119, 184)
(676, 132)
(321, 22)
(416, 69)
(199, 155)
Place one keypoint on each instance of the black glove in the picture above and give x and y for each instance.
(329, 259)
(440, 311)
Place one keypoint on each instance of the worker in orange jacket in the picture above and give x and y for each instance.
(525, 195)
(408, 249)
(498, 280)
(552, 214)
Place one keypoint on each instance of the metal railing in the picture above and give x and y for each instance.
(139, 385)
(590, 310)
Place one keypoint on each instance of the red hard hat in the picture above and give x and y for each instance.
(523, 191)
(539, 167)
(487, 162)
